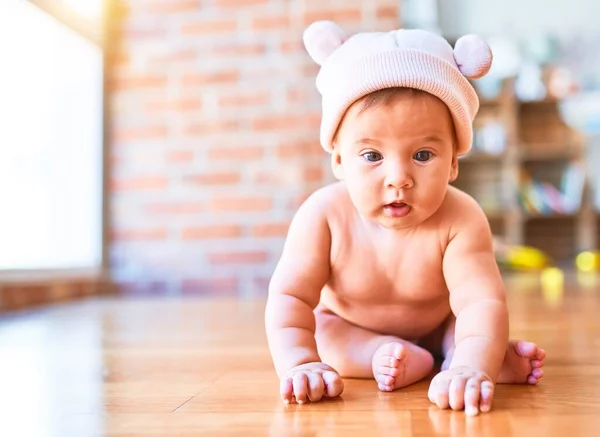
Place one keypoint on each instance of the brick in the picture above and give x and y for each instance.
(159, 233)
(271, 22)
(384, 12)
(122, 134)
(345, 16)
(175, 208)
(238, 153)
(235, 50)
(178, 105)
(240, 204)
(211, 127)
(207, 28)
(138, 82)
(277, 122)
(171, 6)
(174, 56)
(178, 156)
(140, 183)
(253, 257)
(211, 231)
(212, 78)
(270, 229)
(245, 99)
(215, 178)
(298, 96)
(312, 174)
(239, 3)
(139, 32)
(294, 46)
(209, 285)
(299, 149)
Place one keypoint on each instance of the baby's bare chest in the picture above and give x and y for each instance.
(405, 274)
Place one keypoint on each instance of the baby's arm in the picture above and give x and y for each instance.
(478, 301)
(294, 292)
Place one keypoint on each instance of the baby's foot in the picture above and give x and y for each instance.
(522, 363)
(395, 366)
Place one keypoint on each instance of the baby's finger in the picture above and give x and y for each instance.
(286, 389)
(300, 383)
(487, 394)
(315, 387)
(472, 396)
(334, 386)
(438, 393)
(456, 395)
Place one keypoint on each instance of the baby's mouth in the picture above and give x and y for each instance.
(396, 209)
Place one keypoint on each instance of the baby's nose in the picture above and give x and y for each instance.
(399, 176)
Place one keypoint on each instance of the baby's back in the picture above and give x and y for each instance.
(384, 281)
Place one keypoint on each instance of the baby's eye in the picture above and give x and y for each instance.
(423, 155)
(372, 156)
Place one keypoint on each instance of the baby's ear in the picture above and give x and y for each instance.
(336, 163)
(321, 39)
(453, 169)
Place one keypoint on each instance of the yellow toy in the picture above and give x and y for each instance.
(588, 261)
(520, 257)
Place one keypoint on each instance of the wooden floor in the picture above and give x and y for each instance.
(195, 367)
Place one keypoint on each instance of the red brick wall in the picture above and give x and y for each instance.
(214, 137)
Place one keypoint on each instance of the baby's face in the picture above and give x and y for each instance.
(397, 158)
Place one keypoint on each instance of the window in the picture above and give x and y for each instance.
(50, 139)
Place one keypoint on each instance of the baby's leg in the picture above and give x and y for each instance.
(359, 353)
(522, 364)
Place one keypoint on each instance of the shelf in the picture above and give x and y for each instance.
(547, 101)
(545, 152)
(553, 216)
(478, 157)
(495, 215)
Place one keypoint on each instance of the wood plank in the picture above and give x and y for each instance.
(119, 366)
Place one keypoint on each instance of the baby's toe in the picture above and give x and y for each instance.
(527, 349)
(537, 373)
(389, 371)
(536, 364)
(532, 380)
(393, 352)
(540, 354)
(385, 380)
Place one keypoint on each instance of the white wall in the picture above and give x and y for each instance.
(518, 17)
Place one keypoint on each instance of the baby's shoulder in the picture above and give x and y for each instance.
(461, 211)
(331, 202)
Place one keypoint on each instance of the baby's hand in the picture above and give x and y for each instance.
(462, 387)
(310, 381)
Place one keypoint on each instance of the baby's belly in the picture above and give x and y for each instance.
(409, 321)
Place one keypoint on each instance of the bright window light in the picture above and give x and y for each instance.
(88, 8)
(50, 143)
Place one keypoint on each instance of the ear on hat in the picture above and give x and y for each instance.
(321, 39)
(473, 56)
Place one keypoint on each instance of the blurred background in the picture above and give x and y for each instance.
(162, 146)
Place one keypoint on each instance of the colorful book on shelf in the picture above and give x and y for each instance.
(542, 198)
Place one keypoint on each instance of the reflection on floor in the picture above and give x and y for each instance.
(200, 367)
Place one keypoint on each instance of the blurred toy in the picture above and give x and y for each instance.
(552, 282)
(588, 262)
(520, 257)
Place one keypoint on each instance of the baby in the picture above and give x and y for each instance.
(392, 265)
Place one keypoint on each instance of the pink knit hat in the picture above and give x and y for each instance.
(366, 62)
